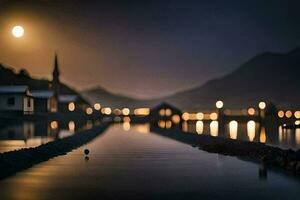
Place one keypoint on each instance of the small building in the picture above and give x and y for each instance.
(165, 116)
(16, 99)
(67, 103)
(44, 101)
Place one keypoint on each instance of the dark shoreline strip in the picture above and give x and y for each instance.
(270, 156)
(18, 160)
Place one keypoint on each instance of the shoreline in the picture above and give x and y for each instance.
(273, 157)
(18, 160)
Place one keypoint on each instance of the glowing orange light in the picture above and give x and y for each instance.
(251, 111)
(142, 111)
(280, 114)
(297, 114)
(106, 111)
(185, 116)
(162, 124)
(71, 126)
(288, 114)
(168, 124)
(168, 112)
(176, 119)
(162, 112)
(97, 106)
(89, 111)
(200, 116)
(125, 111)
(213, 116)
(54, 124)
(263, 135)
(71, 106)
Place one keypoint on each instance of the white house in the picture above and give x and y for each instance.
(16, 98)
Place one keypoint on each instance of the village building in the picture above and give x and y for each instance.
(165, 116)
(67, 103)
(16, 99)
(44, 101)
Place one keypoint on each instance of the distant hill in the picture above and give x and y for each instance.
(107, 98)
(8, 76)
(270, 76)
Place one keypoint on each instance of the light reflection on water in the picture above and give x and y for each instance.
(146, 165)
(233, 129)
(27, 134)
(270, 134)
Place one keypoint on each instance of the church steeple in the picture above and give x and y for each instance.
(55, 80)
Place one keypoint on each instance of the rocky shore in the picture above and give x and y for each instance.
(15, 161)
(269, 156)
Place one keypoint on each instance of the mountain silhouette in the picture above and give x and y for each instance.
(110, 99)
(271, 77)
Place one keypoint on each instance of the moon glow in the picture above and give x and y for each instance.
(17, 31)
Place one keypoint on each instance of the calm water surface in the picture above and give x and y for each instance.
(132, 163)
(26, 134)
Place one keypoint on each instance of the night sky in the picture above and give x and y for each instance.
(144, 48)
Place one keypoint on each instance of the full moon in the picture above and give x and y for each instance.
(17, 31)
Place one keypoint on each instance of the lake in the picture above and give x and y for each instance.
(130, 162)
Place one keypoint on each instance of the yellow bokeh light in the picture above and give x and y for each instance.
(162, 112)
(297, 114)
(125, 111)
(233, 129)
(54, 124)
(72, 126)
(176, 119)
(89, 111)
(251, 111)
(185, 116)
(71, 106)
(168, 112)
(126, 119)
(200, 116)
(17, 31)
(280, 114)
(288, 114)
(162, 124)
(106, 111)
(213, 116)
(168, 124)
(97, 106)
(219, 104)
(142, 111)
(262, 105)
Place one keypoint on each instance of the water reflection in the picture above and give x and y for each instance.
(24, 134)
(251, 130)
(263, 135)
(126, 126)
(199, 127)
(233, 129)
(297, 136)
(268, 133)
(214, 128)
